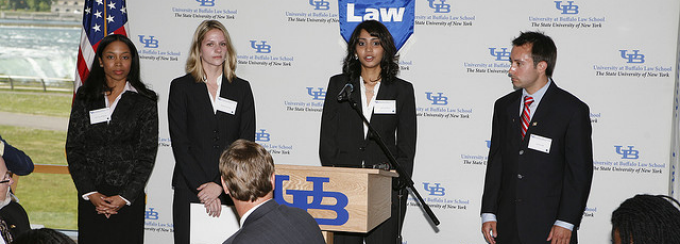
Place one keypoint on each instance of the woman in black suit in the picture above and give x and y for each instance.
(208, 109)
(111, 145)
(387, 102)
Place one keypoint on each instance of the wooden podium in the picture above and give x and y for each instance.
(367, 191)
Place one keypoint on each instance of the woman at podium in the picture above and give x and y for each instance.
(369, 79)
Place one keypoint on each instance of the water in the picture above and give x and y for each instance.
(45, 52)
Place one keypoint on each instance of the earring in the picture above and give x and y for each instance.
(356, 57)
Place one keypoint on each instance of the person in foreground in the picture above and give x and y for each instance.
(13, 218)
(43, 236)
(540, 165)
(248, 178)
(111, 145)
(388, 103)
(647, 219)
(208, 109)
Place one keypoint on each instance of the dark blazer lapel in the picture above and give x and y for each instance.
(513, 111)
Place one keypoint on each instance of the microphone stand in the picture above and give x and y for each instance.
(403, 175)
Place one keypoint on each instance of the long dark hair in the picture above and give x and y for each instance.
(95, 85)
(388, 65)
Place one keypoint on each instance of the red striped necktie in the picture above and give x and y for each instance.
(525, 114)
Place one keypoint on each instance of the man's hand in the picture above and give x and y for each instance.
(559, 235)
(489, 231)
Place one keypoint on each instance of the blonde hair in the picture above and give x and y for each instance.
(246, 169)
(194, 65)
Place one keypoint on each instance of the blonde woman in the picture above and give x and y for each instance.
(208, 109)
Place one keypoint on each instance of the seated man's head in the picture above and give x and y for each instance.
(646, 219)
(5, 182)
(247, 171)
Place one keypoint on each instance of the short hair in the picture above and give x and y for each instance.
(194, 65)
(647, 219)
(95, 85)
(542, 49)
(246, 168)
(388, 65)
(43, 236)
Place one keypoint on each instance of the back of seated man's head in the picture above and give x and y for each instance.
(247, 169)
(646, 219)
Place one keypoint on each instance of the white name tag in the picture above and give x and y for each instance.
(540, 143)
(385, 107)
(226, 105)
(99, 116)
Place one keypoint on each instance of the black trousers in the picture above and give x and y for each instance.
(125, 227)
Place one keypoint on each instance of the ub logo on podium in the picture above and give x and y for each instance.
(301, 199)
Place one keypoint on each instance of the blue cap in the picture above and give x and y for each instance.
(16, 160)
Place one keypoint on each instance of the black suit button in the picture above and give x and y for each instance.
(362, 148)
(519, 176)
(216, 146)
(521, 152)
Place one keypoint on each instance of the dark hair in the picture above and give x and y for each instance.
(647, 219)
(95, 85)
(542, 49)
(42, 236)
(388, 65)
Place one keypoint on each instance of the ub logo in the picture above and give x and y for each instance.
(148, 43)
(633, 58)
(437, 100)
(316, 95)
(567, 9)
(301, 199)
(501, 55)
(262, 136)
(152, 215)
(435, 190)
(627, 154)
(441, 7)
(320, 4)
(206, 3)
(263, 47)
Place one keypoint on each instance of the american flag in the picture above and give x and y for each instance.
(100, 18)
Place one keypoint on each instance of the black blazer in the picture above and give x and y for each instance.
(115, 155)
(272, 223)
(198, 135)
(16, 218)
(527, 189)
(342, 140)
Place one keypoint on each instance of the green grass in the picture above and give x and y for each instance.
(51, 104)
(49, 199)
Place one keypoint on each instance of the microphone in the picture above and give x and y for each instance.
(345, 92)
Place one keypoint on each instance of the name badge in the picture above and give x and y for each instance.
(226, 105)
(540, 143)
(99, 116)
(385, 107)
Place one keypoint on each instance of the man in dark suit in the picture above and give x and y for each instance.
(247, 171)
(540, 164)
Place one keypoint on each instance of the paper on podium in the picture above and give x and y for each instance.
(209, 230)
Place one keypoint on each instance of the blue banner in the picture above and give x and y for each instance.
(397, 15)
